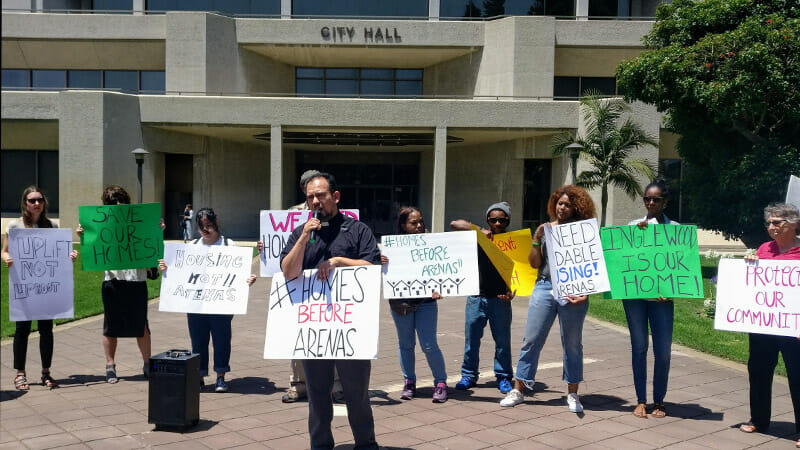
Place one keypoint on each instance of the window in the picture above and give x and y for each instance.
(145, 81)
(16, 79)
(360, 8)
(609, 8)
(22, 168)
(48, 79)
(112, 5)
(84, 79)
(350, 82)
(572, 88)
(493, 8)
(239, 7)
(536, 192)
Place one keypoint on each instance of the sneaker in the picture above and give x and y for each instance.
(574, 403)
(409, 390)
(293, 395)
(221, 385)
(465, 383)
(504, 384)
(440, 393)
(513, 398)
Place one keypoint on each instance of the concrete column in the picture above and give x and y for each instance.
(276, 167)
(138, 7)
(439, 179)
(286, 9)
(433, 10)
(582, 9)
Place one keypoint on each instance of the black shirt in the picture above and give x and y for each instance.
(490, 281)
(344, 237)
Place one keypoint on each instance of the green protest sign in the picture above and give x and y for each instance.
(660, 260)
(121, 236)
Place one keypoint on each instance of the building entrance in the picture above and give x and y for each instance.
(376, 184)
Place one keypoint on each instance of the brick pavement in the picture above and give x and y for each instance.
(707, 397)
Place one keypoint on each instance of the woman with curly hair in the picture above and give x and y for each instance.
(567, 204)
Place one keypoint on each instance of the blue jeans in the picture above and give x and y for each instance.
(479, 310)
(659, 315)
(218, 327)
(542, 311)
(423, 320)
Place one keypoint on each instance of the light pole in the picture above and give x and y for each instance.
(574, 152)
(139, 155)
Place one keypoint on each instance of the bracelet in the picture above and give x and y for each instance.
(535, 244)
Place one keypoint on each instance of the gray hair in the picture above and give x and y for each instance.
(783, 211)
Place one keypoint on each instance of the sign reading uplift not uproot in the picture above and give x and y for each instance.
(40, 279)
(337, 318)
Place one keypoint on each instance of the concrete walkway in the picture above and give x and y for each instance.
(707, 397)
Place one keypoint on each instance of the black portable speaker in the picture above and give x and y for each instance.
(174, 390)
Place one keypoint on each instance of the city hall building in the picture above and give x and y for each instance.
(445, 104)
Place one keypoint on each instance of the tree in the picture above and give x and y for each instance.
(608, 146)
(726, 72)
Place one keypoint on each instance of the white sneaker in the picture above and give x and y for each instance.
(513, 398)
(574, 403)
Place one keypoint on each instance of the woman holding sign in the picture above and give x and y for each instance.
(567, 204)
(783, 225)
(124, 295)
(34, 215)
(214, 326)
(420, 315)
(657, 312)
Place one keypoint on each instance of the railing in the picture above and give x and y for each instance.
(310, 16)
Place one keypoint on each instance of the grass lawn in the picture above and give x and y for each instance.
(87, 295)
(691, 326)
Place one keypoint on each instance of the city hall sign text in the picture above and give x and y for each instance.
(371, 35)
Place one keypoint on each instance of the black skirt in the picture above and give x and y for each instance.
(124, 308)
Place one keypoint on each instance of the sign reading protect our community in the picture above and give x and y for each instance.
(337, 318)
(758, 297)
(40, 279)
(276, 227)
(205, 279)
(659, 260)
(420, 264)
(121, 236)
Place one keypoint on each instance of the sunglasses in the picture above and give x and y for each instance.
(33, 201)
(775, 223)
(653, 199)
(497, 220)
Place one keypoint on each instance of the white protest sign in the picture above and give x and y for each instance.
(760, 297)
(205, 279)
(276, 227)
(575, 256)
(40, 278)
(793, 192)
(422, 263)
(337, 318)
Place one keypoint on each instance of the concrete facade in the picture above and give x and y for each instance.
(487, 83)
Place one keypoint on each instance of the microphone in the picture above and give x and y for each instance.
(314, 232)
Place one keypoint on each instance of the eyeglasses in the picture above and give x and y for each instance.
(775, 223)
(35, 200)
(497, 220)
(653, 199)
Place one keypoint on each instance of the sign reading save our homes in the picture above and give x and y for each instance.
(420, 264)
(758, 297)
(121, 236)
(337, 318)
(40, 279)
(575, 256)
(659, 260)
(205, 279)
(276, 227)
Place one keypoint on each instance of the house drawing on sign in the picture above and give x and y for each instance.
(448, 286)
(418, 288)
(399, 288)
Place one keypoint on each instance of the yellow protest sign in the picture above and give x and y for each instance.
(508, 252)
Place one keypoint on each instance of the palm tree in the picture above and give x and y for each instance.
(608, 147)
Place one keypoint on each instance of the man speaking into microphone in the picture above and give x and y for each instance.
(326, 241)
